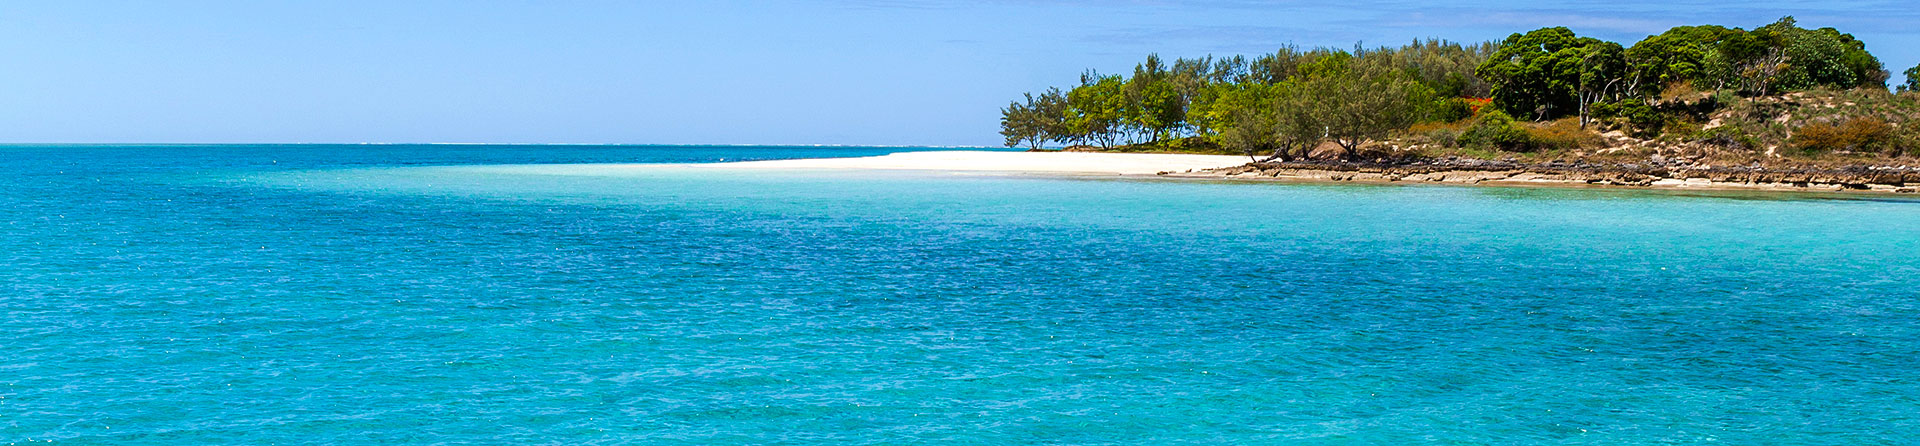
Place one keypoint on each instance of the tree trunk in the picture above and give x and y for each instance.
(1350, 148)
(1279, 153)
(1586, 109)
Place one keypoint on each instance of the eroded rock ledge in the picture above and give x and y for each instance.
(1900, 179)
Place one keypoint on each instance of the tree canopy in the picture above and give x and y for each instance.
(1777, 57)
(1286, 102)
(1542, 74)
(1274, 103)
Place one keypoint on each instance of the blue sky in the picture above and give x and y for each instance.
(885, 72)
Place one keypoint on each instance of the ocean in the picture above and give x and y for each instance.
(479, 294)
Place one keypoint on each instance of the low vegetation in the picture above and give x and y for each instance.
(1778, 92)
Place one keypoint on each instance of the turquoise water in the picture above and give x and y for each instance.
(484, 294)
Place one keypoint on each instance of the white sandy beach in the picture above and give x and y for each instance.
(1036, 162)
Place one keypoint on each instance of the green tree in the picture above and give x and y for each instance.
(1153, 106)
(1742, 60)
(1279, 66)
(1823, 58)
(1243, 116)
(1294, 98)
(1539, 74)
(1602, 75)
(1191, 79)
(1443, 66)
(1207, 114)
(1017, 124)
(1299, 124)
(1036, 121)
(1095, 110)
(1359, 101)
(1277, 120)
(1785, 57)
(1913, 80)
(1679, 55)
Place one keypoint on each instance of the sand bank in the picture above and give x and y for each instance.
(1036, 162)
(1441, 171)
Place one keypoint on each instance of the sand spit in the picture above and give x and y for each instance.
(1031, 162)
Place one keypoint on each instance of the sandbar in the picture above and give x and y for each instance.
(1086, 163)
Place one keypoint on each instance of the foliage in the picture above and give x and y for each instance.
(1247, 119)
(1153, 104)
(1362, 101)
(1095, 110)
(1442, 66)
(1455, 109)
(1564, 134)
(1678, 56)
(1913, 80)
(1728, 136)
(1855, 135)
(1495, 130)
(1187, 145)
(1817, 122)
(1551, 72)
(1276, 103)
(1823, 58)
(1280, 120)
(1038, 120)
(1779, 57)
(1443, 134)
(1643, 119)
(1701, 84)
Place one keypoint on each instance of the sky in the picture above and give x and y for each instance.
(839, 72)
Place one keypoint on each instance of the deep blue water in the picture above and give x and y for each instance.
(486, 295)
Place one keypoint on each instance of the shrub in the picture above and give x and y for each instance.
(1819, 136)
(1868, 134)
(1857, 134)
(1728, 136)
(1643, 120)
(1647, 121)
(1906, 143)
(1453, 109)
(1443, 134)
(1559, 135)
(1495, 130)
(1444, 137)
(1725, 97)
(1606, 110)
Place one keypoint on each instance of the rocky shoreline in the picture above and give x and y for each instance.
(1655, 173)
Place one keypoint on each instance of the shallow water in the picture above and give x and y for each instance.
(492, 294)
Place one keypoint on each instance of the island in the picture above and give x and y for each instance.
(1775, 107)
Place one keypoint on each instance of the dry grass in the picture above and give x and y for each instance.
(1679, 90)
(1853, 135)
(1564, 134)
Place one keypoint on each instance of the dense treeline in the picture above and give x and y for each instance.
(1287, 102)
(1267, 102)
(1550, 72)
